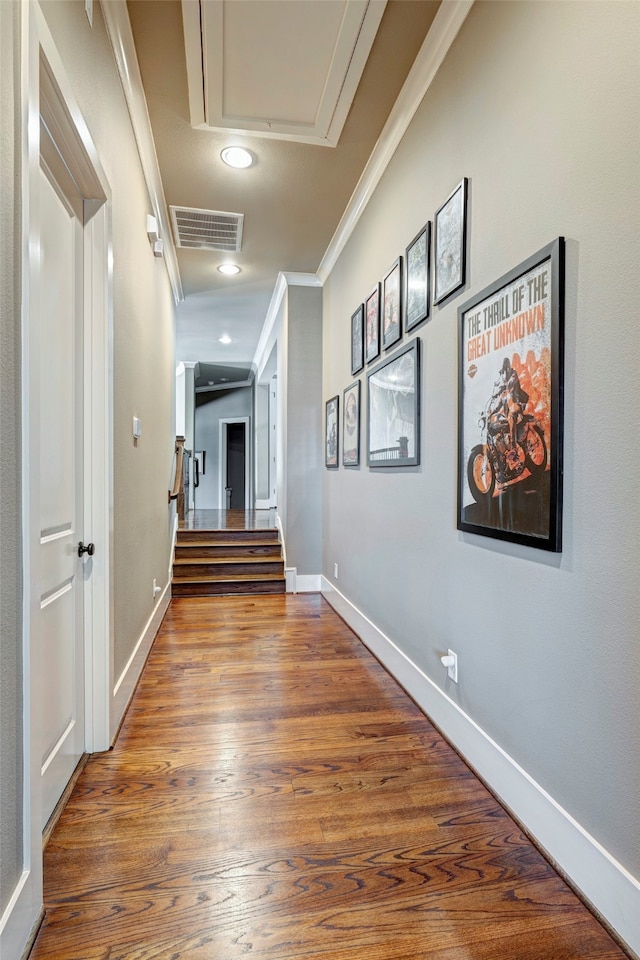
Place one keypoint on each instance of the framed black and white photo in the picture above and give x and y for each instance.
(351, 425)
(417, 284)
(357, 340)
(392, 305)
(372, 325)
(450, 242)
(332, 432)
(393, 402)
(510, 389)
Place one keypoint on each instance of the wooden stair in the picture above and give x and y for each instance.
(211, 563)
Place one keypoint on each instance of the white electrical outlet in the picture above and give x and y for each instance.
(156, 589)
(335, 571)
(451, 663)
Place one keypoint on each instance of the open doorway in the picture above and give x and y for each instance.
(234, 463)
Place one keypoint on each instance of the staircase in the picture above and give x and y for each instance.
(211, 563)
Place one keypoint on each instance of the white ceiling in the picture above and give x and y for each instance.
(316, 70)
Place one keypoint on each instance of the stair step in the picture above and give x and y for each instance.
(227, 536)
(219, 586)
(238, 566)
(207, 549)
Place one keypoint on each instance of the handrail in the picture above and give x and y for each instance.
(179, 475)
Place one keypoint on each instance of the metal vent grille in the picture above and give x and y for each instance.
(207, 229)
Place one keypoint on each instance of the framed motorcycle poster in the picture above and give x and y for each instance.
(510, 405)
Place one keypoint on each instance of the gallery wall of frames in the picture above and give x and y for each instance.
(510, 380)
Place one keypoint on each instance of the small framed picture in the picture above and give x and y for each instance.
(392, 305)
(393, 398)
(351, 426)
(372, 325)
(357, 340)
(331, 432)
(417, 284)
(450, 242)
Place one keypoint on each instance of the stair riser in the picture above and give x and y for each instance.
(195, 552)
(227, 536)
(248, 588)
(185, 571)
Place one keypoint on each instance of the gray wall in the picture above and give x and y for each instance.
(10, 555)
(538, 105)
(225, 404)
(143, 330)
(262, 441)
(304, 427)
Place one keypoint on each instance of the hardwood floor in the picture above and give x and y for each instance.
(274, 794)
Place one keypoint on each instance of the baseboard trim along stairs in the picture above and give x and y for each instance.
(222, 562)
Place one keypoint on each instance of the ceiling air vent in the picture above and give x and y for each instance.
(207, 229)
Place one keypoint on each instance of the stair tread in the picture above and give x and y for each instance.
(227, 543)
(228, 579)
(220, 561)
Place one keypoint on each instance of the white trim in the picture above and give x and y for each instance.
(283, 281)
(290, 577)
(262, 505)
(443, 31)
(126, 682)
(611, 890)
(280, 529)
(222, 459)
(119, 31)
(308, 583)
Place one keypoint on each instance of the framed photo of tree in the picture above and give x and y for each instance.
(450, 244)
(417, 282)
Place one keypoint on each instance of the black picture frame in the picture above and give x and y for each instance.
(372, 325)
(450, 244)
(417, 279)
(357, 340)
(391, 309)
(510, 404)
(351, 425)
(393, 409)
(332, 432)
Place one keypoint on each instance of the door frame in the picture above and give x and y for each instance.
(81, 156)
(222, 459)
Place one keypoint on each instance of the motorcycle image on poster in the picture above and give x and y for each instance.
(509, 467)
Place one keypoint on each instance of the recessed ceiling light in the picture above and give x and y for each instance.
(237, 157)
(225, 338)
(229, 269)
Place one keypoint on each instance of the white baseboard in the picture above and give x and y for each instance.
(302, 583)
(263, 505)
(21, 918)
(604, 883)
(126, 683)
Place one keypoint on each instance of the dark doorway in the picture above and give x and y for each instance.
(236, 464)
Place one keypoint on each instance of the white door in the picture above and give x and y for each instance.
(60, 664)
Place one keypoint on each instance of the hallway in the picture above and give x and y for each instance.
(274, 793)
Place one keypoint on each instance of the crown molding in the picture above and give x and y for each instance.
(119, 31)
(284, 281)
(444, 29)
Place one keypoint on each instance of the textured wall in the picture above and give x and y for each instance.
(143, 319)
(10, 557)
(538, 105)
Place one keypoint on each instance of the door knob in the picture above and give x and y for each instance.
(89, 548)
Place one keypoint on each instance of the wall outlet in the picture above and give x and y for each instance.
(452, 668)
(156, 588)
(335, 571)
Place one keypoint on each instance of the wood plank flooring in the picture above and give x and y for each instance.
(274, 794)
